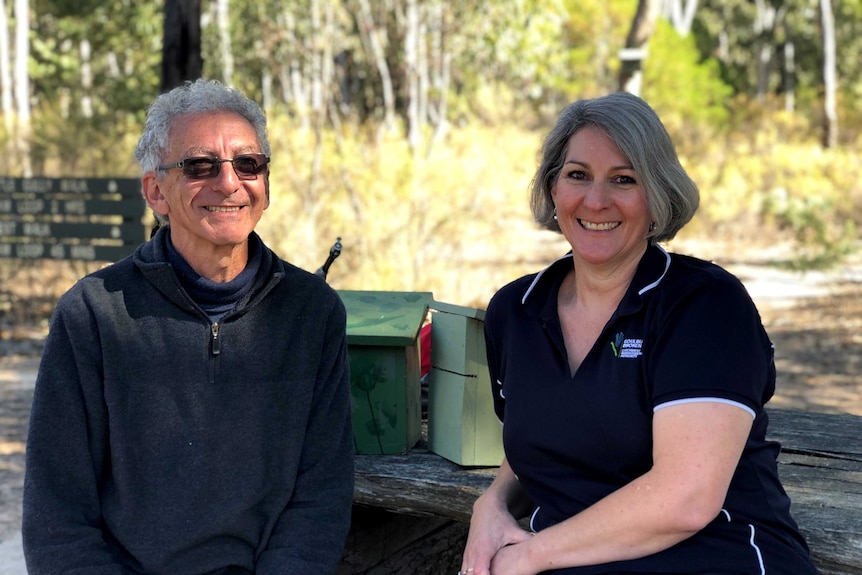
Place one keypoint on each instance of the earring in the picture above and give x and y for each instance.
(555, 212)
(652, 227)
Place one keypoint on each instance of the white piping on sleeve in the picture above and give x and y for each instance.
(705, 400)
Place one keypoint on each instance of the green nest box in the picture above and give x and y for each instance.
(383, 347)
(462, 425)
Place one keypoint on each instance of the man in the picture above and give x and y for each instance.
(192, 409)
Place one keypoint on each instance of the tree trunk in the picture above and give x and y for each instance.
(411, 62)
(422, 73)
(22, 84)
(181, 51)
(223, 20)
(369, 32)
(830, 115)
(317, 116)
(764, 26)
(6, 72)
(440, 62)
(321, 72)
(632, 56)
(789, 77)
(294, 85)
(681, 16)
(85, 50)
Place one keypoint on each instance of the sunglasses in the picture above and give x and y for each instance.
(246, 166)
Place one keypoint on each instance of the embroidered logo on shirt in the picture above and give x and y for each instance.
(627, 348)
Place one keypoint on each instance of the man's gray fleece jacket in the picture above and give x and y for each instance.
(162, 443)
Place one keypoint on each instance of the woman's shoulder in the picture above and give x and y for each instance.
(517, 287)
(534, 286)
(690, 279)
(508, 301)
(690, 271)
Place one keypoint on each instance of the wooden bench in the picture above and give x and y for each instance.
(411, 511)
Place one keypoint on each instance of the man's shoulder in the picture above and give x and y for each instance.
(306, 285)
(122, 270)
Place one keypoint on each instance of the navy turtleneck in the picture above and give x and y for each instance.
(216, 298)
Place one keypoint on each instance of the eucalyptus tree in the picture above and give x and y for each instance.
(15, 83)
(643, 26)
(788, 48)
(6, 100)
(830, 113)
(94, 67)
(181, 42)
(404, 60)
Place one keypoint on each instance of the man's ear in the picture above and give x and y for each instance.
(151, 188)
(266, 187)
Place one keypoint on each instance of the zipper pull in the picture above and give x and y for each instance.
(216, 342)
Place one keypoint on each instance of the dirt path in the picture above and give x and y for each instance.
(17, 376)
(815, 322)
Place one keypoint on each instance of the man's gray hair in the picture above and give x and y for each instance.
(200, 96)
(672, 196)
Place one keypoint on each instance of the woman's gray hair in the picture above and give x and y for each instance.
(672, 196)
(200, 96)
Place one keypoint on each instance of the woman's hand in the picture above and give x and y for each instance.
(492, 529)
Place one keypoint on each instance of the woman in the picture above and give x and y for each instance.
(631, 382)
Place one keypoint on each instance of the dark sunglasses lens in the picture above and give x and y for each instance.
(200, 167)
(249, 165)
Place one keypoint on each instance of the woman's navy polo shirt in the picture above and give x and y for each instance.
(685, 330)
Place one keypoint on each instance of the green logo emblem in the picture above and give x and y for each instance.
(617, 344)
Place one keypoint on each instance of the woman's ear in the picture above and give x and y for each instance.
(151, 189)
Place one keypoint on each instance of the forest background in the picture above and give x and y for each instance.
(410, 129)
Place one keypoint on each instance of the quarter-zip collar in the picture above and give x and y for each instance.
(151, 258)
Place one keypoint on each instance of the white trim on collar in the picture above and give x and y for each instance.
(569, 255)
(661, 277)
(539, 276)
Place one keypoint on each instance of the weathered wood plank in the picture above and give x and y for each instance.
(820, 466)
(378, 538)
(826, 434)
(383, 542)
(419, 483)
